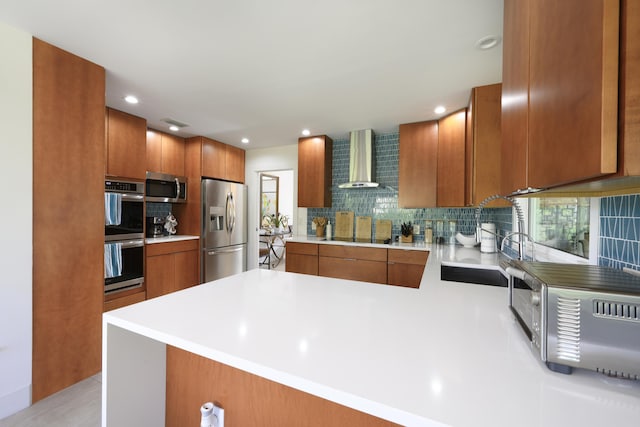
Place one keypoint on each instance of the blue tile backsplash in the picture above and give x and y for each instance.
(382, 202)
(619, 244)
(620, 231)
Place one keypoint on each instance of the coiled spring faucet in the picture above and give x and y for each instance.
(519, 214)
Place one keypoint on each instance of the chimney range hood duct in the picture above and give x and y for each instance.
(361, 160)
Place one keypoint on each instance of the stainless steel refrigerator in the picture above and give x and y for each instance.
(224, 229)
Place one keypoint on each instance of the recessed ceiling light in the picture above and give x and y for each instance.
(306, 132)
(488, 42)
(174, 128)
(131, 99)
(440, 109)
(245, 140)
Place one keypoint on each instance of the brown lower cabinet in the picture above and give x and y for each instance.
(400, 267)
(171, 266)
(353, 263)
(248, 399)
(405, 267)
(302, 258)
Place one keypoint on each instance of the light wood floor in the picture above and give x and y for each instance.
(76, 406)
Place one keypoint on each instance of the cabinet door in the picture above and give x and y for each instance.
(315, 159)
(186, 269)
(154, 151)
(172, 154)
(417, 166)
(451, 159)
(484, 138)
(235, 164)
(68, 183)
(126, 145)
(573, 90)
(160, 275)
(302, 258)
(214, 159)
(406, 267)
(515, 95)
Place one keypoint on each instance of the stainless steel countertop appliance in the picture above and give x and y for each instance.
(578, 316)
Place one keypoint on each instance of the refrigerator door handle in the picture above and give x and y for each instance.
(224, 251)
(227, 213)
(233, 213)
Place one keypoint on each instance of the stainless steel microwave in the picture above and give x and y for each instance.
(161, 187)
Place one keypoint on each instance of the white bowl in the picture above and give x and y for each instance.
(466, 241)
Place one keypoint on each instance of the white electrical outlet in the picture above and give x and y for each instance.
(313, 226)
(218, 413)
(212, 415)
(416, 229)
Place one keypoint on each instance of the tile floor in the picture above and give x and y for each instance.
(77, 406)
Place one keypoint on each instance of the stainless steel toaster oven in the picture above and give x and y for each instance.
(578, 316)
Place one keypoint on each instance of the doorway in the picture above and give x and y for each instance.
(276, 210)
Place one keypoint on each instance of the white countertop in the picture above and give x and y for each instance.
(445, 354)
(172, 238)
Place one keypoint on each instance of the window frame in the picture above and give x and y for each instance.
(549, 254)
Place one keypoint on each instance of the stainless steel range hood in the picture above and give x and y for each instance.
(361, 160)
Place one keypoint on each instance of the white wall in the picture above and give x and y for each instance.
(262, 160)
(16, 218)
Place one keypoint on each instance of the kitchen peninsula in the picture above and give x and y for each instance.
(447, 353)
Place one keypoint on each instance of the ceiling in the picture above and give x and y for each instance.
(265, 70)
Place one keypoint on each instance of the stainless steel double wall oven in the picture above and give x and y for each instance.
(123, 235)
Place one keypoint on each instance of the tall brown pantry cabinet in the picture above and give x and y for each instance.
(68, 218)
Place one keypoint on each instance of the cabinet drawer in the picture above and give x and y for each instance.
(408, 275)
(172, 247)
(302, 248)
(353, 252)
(353, 269)
(301, 263)
(407, 256)
(124, 301)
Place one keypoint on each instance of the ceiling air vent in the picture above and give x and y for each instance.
(173, 122)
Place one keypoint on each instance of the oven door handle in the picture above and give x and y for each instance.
(130, 197)
(515, 272)
(126, 244)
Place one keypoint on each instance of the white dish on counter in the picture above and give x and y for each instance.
(466, 241)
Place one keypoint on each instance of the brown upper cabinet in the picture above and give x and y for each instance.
(125, 145)
(315, 159)
(451, 160)
(484, 138)
(165, 153)
(222, 161)
(417, 165)
(560, 91)
(235, 159)
(218, 160)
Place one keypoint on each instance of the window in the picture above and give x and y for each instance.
(561, 223)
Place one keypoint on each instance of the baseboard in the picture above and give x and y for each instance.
(15, 402)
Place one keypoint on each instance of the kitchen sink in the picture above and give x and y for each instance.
(479, 276)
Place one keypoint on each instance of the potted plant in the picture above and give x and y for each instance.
(406, 230)
(275, 221)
